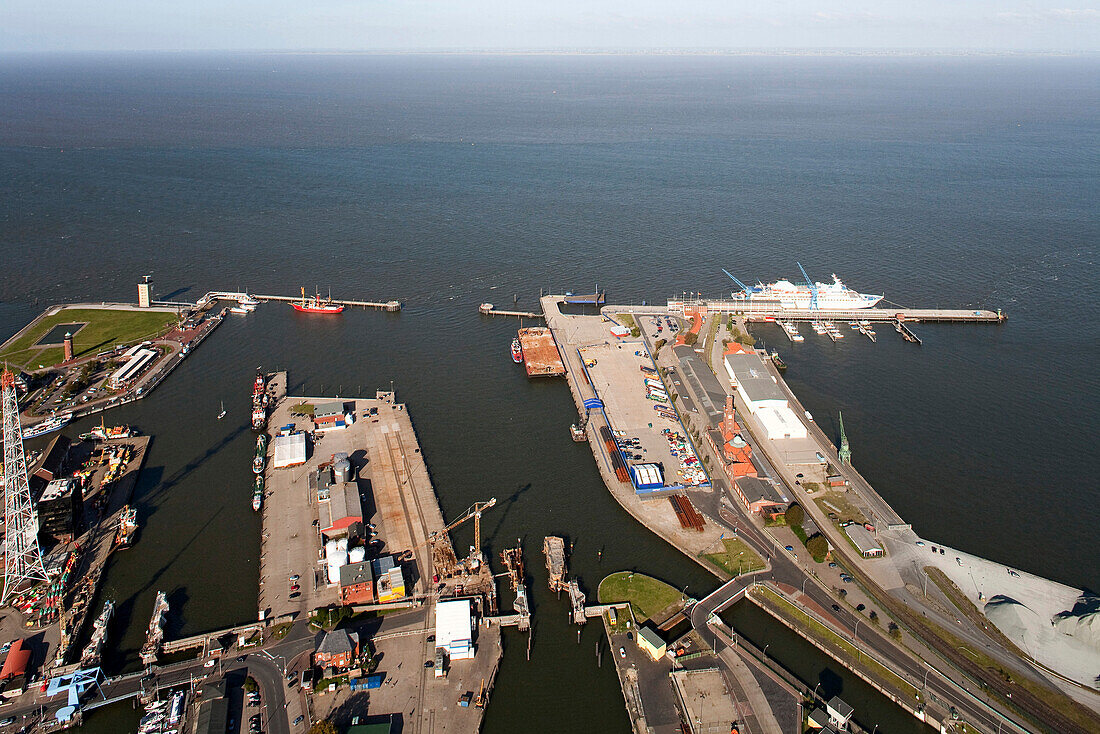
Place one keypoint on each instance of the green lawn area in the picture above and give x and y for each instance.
(628, 322)
(837, 503)
(646, 595)
(737, 558)
(105, 329)
(837, 646)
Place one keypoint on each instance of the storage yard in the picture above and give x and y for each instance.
(609, 387)
(655, 452)
(351, 524)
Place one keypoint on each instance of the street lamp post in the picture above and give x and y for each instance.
(814, 696)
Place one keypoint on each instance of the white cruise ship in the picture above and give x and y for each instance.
(833, 296)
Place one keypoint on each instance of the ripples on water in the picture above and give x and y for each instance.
(940, 182)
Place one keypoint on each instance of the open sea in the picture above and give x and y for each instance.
(445, 181)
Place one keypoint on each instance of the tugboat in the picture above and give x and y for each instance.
(258, 494)
(94, 651)
(127, 526)
(259, 403)
(103, 433)
(261, 454)
(517, 351)
(315, 304)
(779, 363)
(258, 465)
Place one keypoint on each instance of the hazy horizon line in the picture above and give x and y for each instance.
(916, 51)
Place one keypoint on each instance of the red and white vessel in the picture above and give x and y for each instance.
(517, 351)
(315, 304)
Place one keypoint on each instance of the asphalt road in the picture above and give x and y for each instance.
(784, 568)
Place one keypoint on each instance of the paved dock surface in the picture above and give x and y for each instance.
(395, 492)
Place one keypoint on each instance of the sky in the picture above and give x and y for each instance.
(517, 25)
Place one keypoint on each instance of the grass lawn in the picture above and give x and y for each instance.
(836, 645)
(105, 328)
(646, 595)
(836, 502)
(737, 558)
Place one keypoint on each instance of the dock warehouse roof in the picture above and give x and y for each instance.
(753, 380)
(290, 450)
(356, 573)
(453, 625)
(324, 409)
(863, 539)
(343, 507)
(756, 489)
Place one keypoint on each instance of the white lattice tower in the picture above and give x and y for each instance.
(22, 556)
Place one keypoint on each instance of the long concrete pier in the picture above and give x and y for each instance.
(212, 296)
(751, 311)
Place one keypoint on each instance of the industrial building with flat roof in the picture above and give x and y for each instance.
(454, 628)
(141, 359)
(761, 394)
(59, 509)
(651, 642)
(356, 583)
(864, 541)
(290, 450)
(706, 700)
(342, 512)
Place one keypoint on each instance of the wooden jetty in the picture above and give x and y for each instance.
(906, 333)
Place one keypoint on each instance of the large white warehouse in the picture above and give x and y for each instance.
(761, 394)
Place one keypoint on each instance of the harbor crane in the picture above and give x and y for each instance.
(740, 285)
(813, 288)
(443, 555)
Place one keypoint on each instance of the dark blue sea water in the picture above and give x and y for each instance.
(446, 181)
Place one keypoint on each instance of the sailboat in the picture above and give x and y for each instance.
(222, 414)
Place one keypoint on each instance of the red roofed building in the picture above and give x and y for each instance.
(13, 676)
(731, 447)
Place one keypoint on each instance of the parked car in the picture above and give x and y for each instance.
(622, 652)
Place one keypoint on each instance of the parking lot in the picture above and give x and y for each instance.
(639, 410)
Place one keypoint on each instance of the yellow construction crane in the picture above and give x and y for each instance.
(443, 555)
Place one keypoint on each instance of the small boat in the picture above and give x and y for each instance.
(517, 351)
(258, 465)
(239, 310)
(315, 304)
(222, 414)
(779, 363)
(47, 426)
